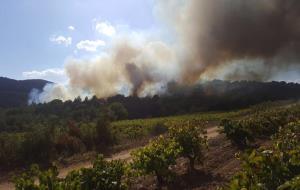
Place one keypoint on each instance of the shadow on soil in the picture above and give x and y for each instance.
(197, 178)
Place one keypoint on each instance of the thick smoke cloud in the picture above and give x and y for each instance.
(217, 32)
(228, 39)
(128, 68)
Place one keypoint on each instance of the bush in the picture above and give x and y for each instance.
(156, 158)
(288, 137)
(261, 125)
(191, 138)
(132, 132)
(73, 130)
(104, 135)
(274, 168)
(46, 180)
(262, 169)
(38, 146)
(236, 132)
(89, 135)
(68, 145)
(11, 149)
(118, 111)
(158, 129)
(293, 184)
(104, 175)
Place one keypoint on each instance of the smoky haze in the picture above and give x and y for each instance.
(228, 39)
(214, 33)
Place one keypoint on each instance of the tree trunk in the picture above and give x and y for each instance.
(192, 164)
(160, 180)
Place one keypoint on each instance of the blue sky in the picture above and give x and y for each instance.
(37, 35)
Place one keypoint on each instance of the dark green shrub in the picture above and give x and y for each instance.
(263, 169)
(104, 134)
(191, 138)
(117, 111)
(156, 158)
(89, 135)
(11, 149)
(38, 146)
(73, 130)
(237, 133)
(158, 129)
(104, 175)
(46, 180)
(273, 168)
(293, 184)
(68, 145)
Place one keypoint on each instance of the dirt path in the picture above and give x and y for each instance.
(123, 155)
(212, 132)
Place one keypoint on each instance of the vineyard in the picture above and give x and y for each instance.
(40, 136)
(139, 128)
(265, 142)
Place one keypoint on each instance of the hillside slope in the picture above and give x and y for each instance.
(15, 92)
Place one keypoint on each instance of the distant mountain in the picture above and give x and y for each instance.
(15, 93)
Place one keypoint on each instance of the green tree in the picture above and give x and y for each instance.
(104, 135)
(118, 111)
(38, 146)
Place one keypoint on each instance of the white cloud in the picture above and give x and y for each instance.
(89, 45)
(71, 28)
(54, 75)
(61, 40)
(105, 28)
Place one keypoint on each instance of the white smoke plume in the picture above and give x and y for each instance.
(234, 39)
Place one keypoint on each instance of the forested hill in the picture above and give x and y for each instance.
(15, 92)
(211, 95)
(208, 96)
